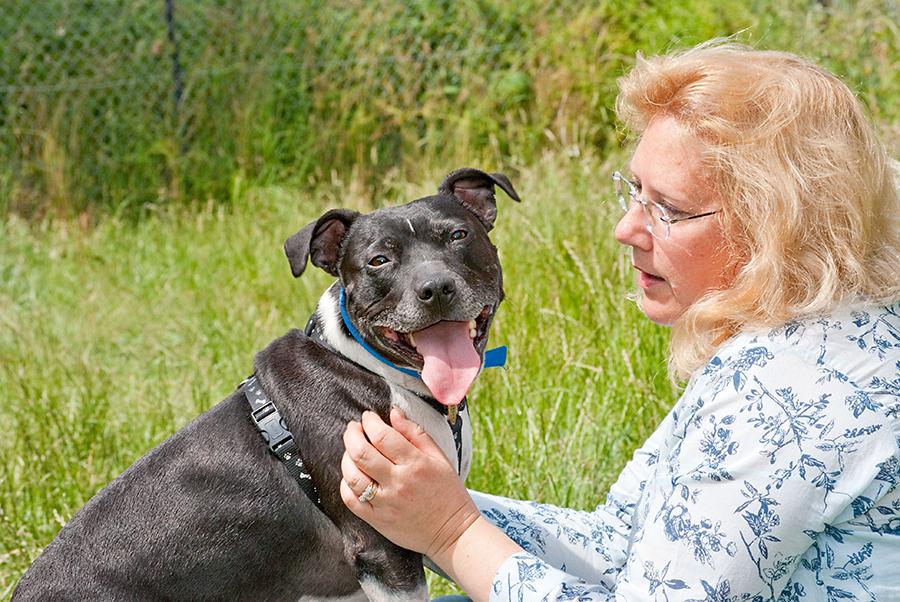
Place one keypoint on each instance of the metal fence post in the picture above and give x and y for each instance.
(176, 76)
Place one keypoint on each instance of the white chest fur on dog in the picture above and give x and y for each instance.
(373, 591)
(437, 427)
(358, 596)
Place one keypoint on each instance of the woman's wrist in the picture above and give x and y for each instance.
(473, 557)
(453, 530)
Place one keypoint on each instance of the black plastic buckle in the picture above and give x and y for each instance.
(271, 426)
(278, 438)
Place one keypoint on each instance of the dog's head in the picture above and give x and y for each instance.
(422, 281)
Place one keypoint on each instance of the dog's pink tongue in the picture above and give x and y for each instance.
(451, 362)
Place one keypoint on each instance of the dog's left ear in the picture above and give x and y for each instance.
(320, 242)
(475, 190)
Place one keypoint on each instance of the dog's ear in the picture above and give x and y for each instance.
(475, 190)
(320, 242)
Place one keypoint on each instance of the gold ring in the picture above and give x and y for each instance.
(369, 492)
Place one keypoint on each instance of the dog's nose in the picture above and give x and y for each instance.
(438, 289)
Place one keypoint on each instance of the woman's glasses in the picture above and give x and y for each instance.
(657, 218)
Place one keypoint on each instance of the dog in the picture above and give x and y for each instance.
(218, 511)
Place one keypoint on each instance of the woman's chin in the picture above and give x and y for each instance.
(659, 312)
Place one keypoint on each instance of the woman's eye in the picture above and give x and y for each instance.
(458, 234)
(672, 211)
(378, 260)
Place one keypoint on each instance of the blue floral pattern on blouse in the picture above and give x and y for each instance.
(776, 476)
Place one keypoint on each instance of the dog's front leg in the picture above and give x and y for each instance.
(385, 571)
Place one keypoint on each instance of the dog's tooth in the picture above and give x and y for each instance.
(472, 333)
(412, 341)
(472, 324)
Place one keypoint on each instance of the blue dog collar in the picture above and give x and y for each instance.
(493, 358)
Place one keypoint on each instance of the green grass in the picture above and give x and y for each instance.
(112, 338)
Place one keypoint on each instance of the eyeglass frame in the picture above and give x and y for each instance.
(664, 216)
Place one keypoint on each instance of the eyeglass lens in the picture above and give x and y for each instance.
(627, 194)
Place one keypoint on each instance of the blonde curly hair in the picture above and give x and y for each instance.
(810, 201)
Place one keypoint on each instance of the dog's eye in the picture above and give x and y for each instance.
(378, 260)
(458, 235)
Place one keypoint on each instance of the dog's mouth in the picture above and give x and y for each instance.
(404, 343)
(447, 353)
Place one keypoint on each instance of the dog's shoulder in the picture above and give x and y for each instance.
(295, 359)
(296, 369)
(288, 347)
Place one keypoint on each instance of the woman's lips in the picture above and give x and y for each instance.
(647, 280)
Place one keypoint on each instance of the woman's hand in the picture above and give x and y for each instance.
(420, 503)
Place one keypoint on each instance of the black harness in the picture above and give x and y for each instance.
(281, 442)
(274, 431)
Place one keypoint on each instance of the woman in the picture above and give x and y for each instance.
(762, 219)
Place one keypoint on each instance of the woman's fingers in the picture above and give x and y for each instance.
(409, 490)
(415, 434)
(387, 440)
(355, 478)
(351, 500)
(377, 455)
(364, 455)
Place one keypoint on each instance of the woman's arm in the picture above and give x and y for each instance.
(421, 504)
(471, 542)
(590, 545)
(442, 521)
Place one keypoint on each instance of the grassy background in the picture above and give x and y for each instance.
(128, 306)
(113, 337)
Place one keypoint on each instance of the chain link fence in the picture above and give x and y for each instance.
(129, 102)
(123, 103)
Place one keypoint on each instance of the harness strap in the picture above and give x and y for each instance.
(281, 442)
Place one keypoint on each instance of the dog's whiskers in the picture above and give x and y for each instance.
(372, 311)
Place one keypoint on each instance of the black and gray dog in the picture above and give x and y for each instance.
(212, 513)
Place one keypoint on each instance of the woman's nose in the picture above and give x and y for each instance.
(632, 230)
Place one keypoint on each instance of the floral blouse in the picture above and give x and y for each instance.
(774, 477)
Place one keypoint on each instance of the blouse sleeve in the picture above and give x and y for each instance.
(764, 452)
(589, 546)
